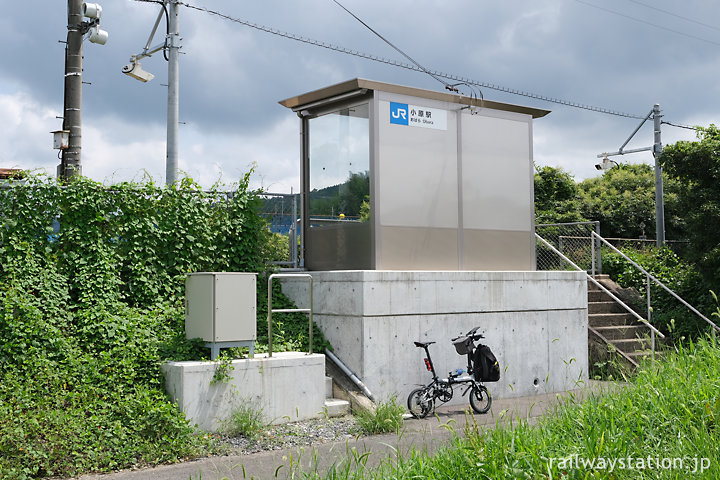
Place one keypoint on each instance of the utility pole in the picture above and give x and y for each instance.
(173, 112)
(659, 203)
(134, 69)
(70, 164)
(72, 114)
(657, 151)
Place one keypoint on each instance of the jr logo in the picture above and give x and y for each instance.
(399, 113)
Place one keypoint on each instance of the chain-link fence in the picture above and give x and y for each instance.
(282, 213)
(573, 240)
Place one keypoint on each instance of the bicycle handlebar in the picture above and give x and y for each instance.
(471, 334)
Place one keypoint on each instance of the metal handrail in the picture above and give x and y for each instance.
(289, 310)
(595, 222)
(649, 277)
(653, 330)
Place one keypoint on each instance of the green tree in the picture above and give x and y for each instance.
(557, 197)
(696, 165)
(353, 192)
(346, 198)
(623, 200)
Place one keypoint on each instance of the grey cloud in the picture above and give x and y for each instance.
(232, 76)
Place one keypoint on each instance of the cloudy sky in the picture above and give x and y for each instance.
(622, 55)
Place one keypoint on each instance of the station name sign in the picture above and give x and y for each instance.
(416, 116)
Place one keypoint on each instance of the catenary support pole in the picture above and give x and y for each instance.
(70, 164)
(659, 198)
(173, 120)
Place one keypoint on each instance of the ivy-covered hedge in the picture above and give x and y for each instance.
(91, 288)
(130, 242)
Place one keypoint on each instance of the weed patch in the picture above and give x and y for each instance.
(387, 417)
(247, 419)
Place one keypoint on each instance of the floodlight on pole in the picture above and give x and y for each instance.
(134, 69)
(92, 10)
(606, 163)
(657, 151)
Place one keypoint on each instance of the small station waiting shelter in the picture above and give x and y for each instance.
(418, 224)
(447, 179)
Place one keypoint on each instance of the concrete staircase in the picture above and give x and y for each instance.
(611, 323)
(334, 407)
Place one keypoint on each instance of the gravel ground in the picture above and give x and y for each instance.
(296, 434)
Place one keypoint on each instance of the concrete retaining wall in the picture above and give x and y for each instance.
(289, 386)
(535, 323)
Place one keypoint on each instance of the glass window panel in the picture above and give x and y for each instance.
(339, 160)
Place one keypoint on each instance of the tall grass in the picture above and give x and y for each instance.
(669, 411)
(247, 419)
(387, 417)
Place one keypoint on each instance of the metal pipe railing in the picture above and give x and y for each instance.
(350, 374)
(654, 331)
(289, 310)
(649, 277)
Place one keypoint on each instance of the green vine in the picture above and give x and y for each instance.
(223, 367)
(91, 290)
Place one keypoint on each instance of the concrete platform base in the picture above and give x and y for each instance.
(535, 323)
(290, 386)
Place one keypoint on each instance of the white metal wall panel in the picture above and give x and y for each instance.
(497, 170)
(417, 171)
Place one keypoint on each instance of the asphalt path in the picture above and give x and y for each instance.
(424, 435)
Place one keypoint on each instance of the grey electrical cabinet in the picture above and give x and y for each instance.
(221, 307)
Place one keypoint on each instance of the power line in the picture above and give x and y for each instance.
(396, 63)
(653, 7)
(647, 23)
(447, 85)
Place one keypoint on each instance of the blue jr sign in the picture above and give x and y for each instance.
(415, 116)
(399, 113)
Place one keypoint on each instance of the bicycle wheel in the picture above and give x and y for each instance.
(480, 399)
(420, 403)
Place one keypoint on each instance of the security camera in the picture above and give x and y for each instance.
(97, 35)
(135, 70)
(91, 10)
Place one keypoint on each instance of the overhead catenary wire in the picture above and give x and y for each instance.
(667, 12)
(447, 85)
(397, 63)
(639, 20)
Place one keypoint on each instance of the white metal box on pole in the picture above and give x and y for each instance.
(221, 309)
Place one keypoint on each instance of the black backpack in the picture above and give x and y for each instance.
(485, 366)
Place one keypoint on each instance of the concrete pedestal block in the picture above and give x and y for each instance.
(290, 386)
(534, 322)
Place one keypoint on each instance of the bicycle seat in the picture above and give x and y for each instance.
(423, 344)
